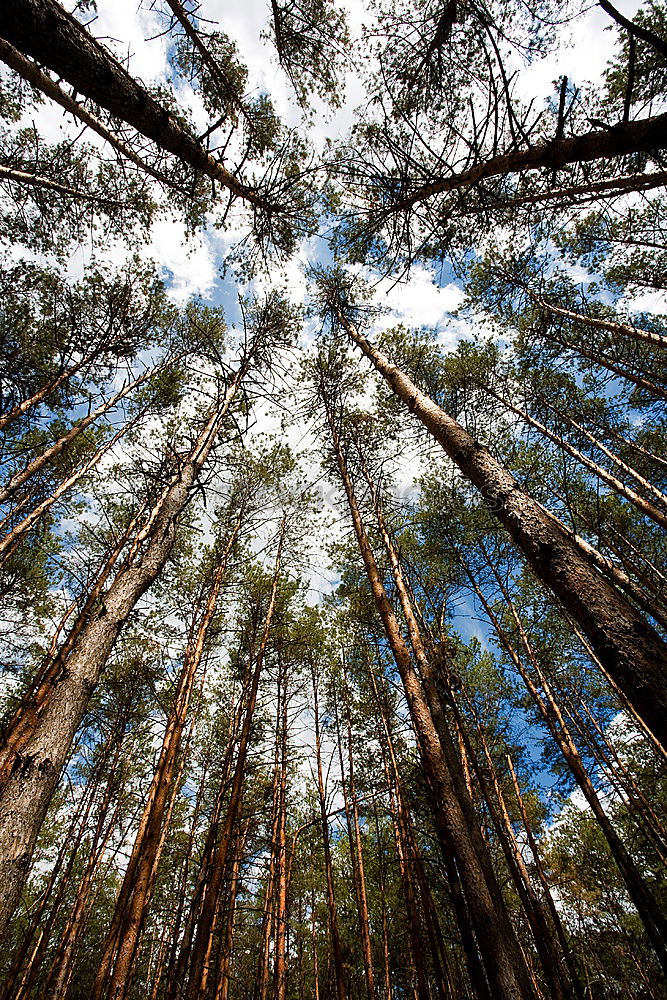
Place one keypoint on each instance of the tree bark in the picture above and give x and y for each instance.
(15, 536)
(33, 467)
(354, 840)
(646, 508)
(43, 30)
(36, 764)
(500, 954)
(223, 975)
(341, 989)
(50, 387)
(280, 919)
(199, 972)
(626, 137)
(631, 652)
(544, 921)
(597, 323)
(122, 941)
(653, 920)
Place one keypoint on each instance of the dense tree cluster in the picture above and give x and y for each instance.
(446, 776)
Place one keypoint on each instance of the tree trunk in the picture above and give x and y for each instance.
(620, 577)
(630, 650)
(460, 777)
(43, 30)
(621, 778)
(386, 959)
(40, 81)
(537, 911)
(616, 459)
(577, 194)
(21, 723)
(502, 959)
(596, 323)
(39, 923)
(268, 916)
(122, 940)
(653, 920)
(180, 956)
(223, 975)
(646, 508)
(199, 972)
(341, 990)
(36, 464)
(627, 137)
(37, 763)
(610, 366)
(62, 968)
(50, 387)
(13, 538)
(354, 841)
(313, 939)
(397, 810)
(280, 919)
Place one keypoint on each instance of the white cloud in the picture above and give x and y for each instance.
(583, 59)
(646, 302)
(132, 33)
(417, 302)
(190, 262)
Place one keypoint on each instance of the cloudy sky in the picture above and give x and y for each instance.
(192, 266)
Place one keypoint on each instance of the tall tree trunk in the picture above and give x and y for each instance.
(62, 968)
(268, 916)
(653, 920)
(180, 956)
(354, 841)
(174, 964)
(612, 455)
(42, 82)
(57, 982)
(502, 958)
(39, 461)
(410, 861)
(621, 778)
(199, 972)
(223, 974)
(43, 30)
(41, 923)
(540, 916)
(21, 722)
(341, 989)
(623, 138)
(459, 775)
(577, 194)
(50, 387)
(360, 874)
(597, 323)
(611, 366)
(282, 874)
(122, 940)
(36, 764)
(313, 940)
(646, 508)
(14, 537)
(630, 650)
(382, 883)
(406, 855)
(541, 874)
(645, 593)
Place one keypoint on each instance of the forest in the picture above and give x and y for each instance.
(333, 503)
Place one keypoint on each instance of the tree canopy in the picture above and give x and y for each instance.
(333, 594)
